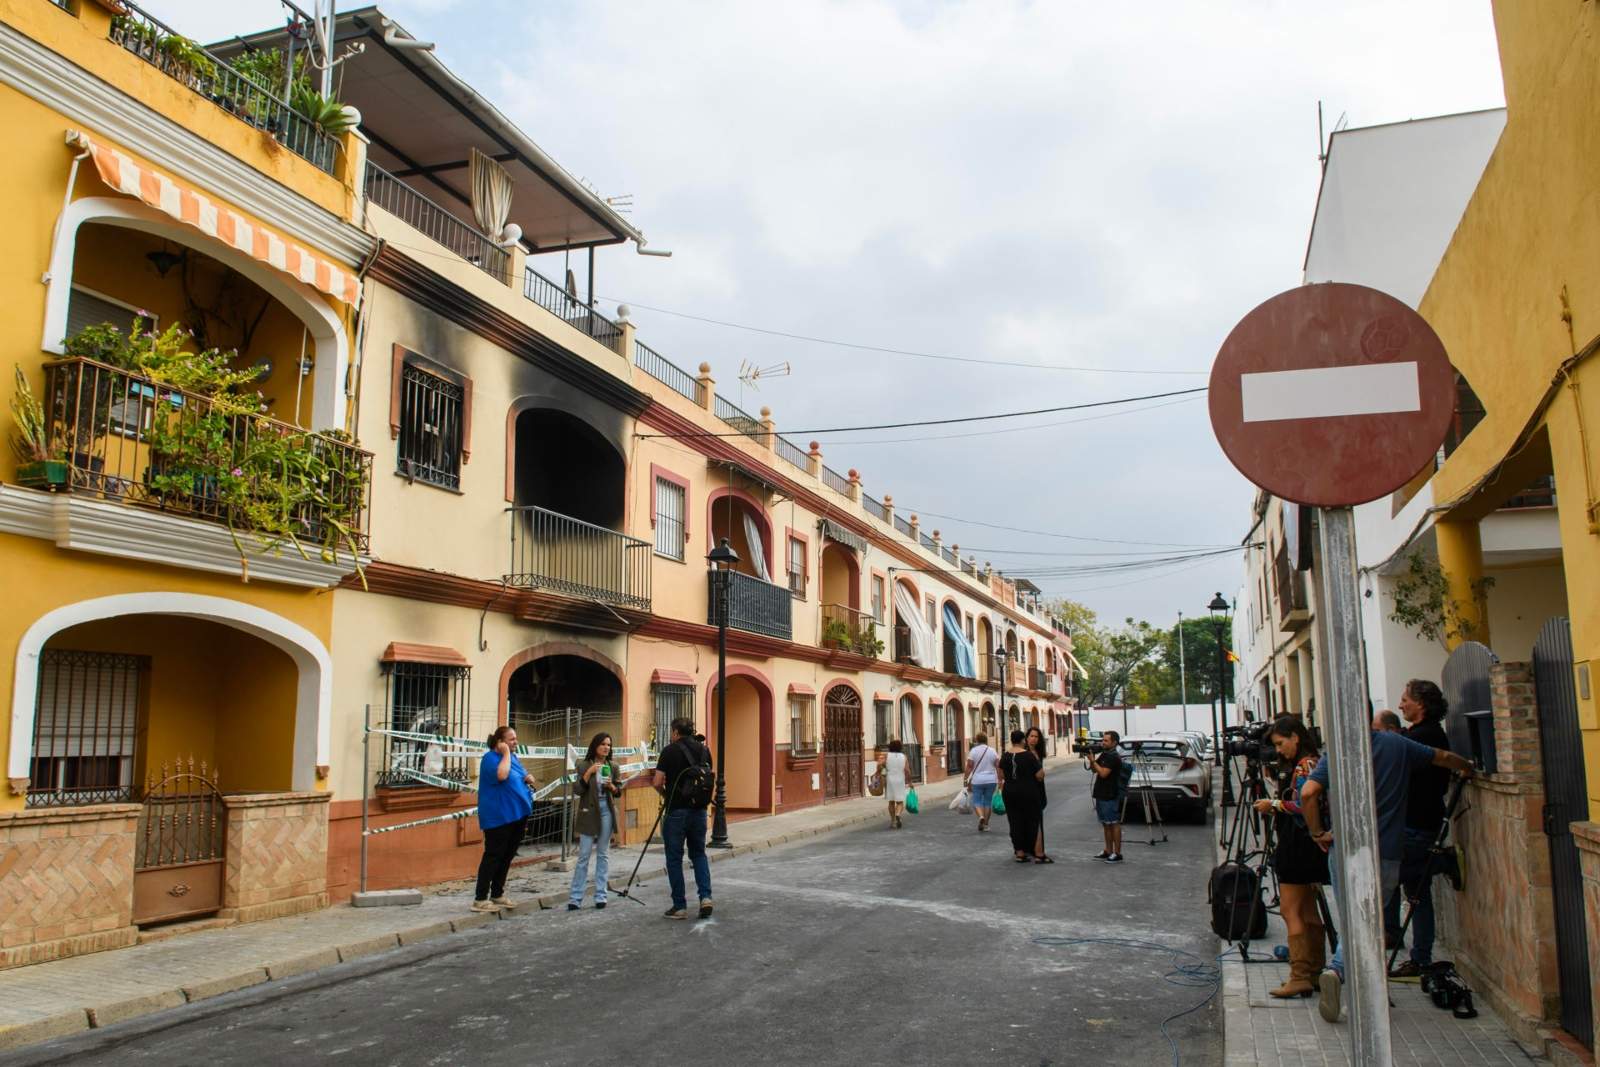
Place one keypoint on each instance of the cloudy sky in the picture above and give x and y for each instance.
(1095, 190)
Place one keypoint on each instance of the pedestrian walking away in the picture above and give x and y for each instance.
(596, 790)
(680, 777)
(893, 769)
(505, 801)
(1107, 794)
(1301, 864)
(1020, 776)
(982, 779)
(1034, 743)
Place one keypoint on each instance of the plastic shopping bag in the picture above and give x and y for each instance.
(999, 804)
(962, 801)
(911, 801)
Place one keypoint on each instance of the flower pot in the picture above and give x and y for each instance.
(43, 474)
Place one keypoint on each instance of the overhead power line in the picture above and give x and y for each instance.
(1057, 534)
(894, 351)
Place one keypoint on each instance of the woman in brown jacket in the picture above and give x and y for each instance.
(596, 790)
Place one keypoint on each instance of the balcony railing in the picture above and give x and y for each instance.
(736, 416)
(873, 506)
(132, 440)
(793, 453)
(849, 630)
(435, 223)
(753, 605)
(835, 481)
(564, 555)
(181, 59)
(569, 309)
(663, 370)
(903, 525)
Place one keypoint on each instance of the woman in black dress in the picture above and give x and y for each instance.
(1021, 775)
(1034, 743)
(1301, 863)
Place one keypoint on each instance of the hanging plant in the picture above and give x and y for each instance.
(1422, 601)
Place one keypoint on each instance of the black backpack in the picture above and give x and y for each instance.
(1237, 913)
(697, 783)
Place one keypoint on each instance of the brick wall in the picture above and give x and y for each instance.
(277, 855)
(66, 882)
(1587, 835)
(1502, 928)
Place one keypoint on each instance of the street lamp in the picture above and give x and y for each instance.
(1219, 623)
(722, 559)
(1001, 656)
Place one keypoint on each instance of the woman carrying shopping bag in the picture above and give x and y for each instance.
(893, 769)
(981, 778)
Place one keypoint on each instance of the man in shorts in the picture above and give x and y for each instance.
(1107, 768)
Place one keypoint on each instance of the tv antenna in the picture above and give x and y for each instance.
(750, 374)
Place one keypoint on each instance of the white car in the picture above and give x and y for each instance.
(1174, 770)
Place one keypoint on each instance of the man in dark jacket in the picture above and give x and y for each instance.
(1423, 706)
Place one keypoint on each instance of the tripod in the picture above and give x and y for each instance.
(1147, 797)
(627, 889)
(1413, 888)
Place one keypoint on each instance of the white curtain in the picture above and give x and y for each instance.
(922, 646)
(752, 537)
(908, 721)
(491, 195)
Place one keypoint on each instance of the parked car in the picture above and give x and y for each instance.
(1175, 772)
(1199, 740)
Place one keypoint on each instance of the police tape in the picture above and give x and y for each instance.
(474, 749)
(450, 817)
(638, 769)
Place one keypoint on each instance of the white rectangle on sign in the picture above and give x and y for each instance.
(1326, 392)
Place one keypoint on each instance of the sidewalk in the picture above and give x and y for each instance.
(1269, 1032)
(62, 997)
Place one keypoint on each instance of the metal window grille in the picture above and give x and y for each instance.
(85, 726)
(426, 698)
(669, 519)
(671, 702)
(797, 567)
(430, 428)
(802, 735)
(882, 716)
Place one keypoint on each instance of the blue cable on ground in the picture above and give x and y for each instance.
(1198, 974)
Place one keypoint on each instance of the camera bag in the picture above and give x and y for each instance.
(1237, 913)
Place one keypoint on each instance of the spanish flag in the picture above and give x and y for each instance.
(1232, 657)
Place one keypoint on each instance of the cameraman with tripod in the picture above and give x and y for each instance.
(1107, 768)
(1301, 864)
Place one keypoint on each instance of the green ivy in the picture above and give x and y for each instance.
(1422, 600)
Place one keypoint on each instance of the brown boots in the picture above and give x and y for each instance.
(1307, 956)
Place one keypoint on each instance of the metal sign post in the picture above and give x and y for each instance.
(1349, 734)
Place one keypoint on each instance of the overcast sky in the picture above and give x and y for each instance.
(1067, 185)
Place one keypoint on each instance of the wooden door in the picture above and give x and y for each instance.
(841, 743)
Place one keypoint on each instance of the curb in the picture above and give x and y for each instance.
(47, 1029)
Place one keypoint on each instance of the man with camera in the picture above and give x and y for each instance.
(1395, 758)
(1107, 769)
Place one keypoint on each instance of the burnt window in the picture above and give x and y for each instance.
(431, 419)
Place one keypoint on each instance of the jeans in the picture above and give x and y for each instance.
(679, 827)
(1388, 880)
(601, 847)
(499, 849)
(1414, 870)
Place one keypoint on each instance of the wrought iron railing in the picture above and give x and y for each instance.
(753, 605)
(902, 524)
(873, 506)
(970, 567)
(181, 59)
(792, 452)
(663, 370)
(849, 630)
(736, 416)
(556, 552)
(835, 481)
(928, 542)
(949, 555)
(133, 440)
(570, 310)
(435, 223)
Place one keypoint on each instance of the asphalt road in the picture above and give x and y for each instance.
(864, 947)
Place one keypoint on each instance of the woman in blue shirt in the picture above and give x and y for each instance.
(504, 804)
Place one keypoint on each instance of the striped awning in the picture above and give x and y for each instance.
(126, 175)
(834, 532)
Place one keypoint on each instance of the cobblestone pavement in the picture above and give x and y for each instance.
(63, 997)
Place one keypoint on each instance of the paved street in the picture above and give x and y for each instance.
(864, 947)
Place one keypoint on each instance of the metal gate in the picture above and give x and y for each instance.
(841, 743)
(1566, 799)
(955, 752)
(1465, 682)
(181, 845)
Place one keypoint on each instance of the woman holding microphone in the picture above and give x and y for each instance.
(596, 820)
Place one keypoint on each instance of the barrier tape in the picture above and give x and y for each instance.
(474, 749)
(462, 814)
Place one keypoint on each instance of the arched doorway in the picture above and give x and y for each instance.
(909, 730)
(954, 741)
(749, 763)
(841, 742)
(567, 467)
(557, 700)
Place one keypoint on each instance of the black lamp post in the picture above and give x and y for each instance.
(722, 559)
(1219, 623)
(1000, 720)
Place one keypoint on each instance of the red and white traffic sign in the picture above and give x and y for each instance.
(1331, 395)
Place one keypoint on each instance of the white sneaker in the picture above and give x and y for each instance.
(484, 905)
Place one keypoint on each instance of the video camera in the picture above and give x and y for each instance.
(1250, 741)
(1086, 746)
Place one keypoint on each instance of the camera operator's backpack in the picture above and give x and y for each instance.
(1124, 777)
(697, 783)
(1237, 913)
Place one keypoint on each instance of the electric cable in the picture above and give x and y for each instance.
(941, 422)
(1008, 429)
(893, 351)
(1048, 533)
(1199, 974)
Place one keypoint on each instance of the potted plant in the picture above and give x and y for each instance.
(867, 642)
(40, 460)
(836, 634)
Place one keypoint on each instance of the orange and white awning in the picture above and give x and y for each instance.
(126, 175)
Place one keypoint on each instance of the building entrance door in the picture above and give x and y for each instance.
(841, 743)
(181, 846)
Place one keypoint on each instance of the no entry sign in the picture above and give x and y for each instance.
(1331, 395)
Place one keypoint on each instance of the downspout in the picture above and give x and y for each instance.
(352, 391)
(74, 138)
